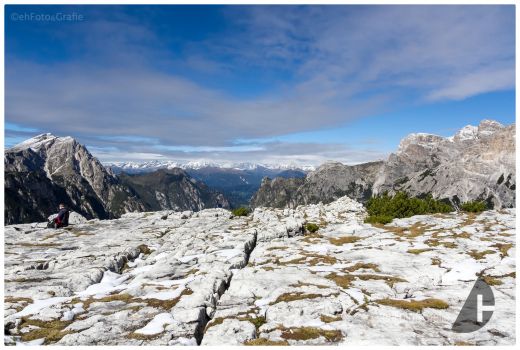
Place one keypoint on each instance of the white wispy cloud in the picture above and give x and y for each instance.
(325, 66)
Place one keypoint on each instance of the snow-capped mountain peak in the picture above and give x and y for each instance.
(199, 164)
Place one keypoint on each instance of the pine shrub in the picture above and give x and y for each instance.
(242, 211)
(473, 206)
(311, 227)
(384, 208)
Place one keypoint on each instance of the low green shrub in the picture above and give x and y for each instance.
(473, 206)
(311, 227)
(242, 211)
(379, 219)
(384, 208)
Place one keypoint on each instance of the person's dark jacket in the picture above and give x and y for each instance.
(62, 219)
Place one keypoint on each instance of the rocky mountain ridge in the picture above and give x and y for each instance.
(477, 163)
(47, 170)
(173, 189)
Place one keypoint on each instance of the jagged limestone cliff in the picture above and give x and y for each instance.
(477, 163)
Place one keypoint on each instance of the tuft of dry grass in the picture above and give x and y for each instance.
(9, 299)
(266, 342)
(463, 343)
(464, 235)
(127, 298)
(416, 230)
(414, 305)
(418, 251)
(436, 243)
(320, 259)
(306, 333)
(330, 319)
(51, 331)
(214, 322)
(491, 280)
(495, 280)
(293, 261)
(360, 265)
(305, 284)
(480, 255)
(312, 238)
(139, 336)
(288, 297)
(470, 219)
(344, 281)
(396, 230)
(143, 248)
(29, 244)
(390, 280)
(257, 321)
(344, 240)
(503, 248)
(436, 261)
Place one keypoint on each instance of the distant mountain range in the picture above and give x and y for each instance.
(237, 181)
(477, 163)
(173, 189)
(152, 165)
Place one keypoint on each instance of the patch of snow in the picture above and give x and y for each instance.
(141, 269)
(229, 253)
(137, 261)
(469, 132)
(35, 342)
(156, 325)
(39, 305)
(110, 282)
(69, 315)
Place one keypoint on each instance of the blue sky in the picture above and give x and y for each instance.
(271, 84)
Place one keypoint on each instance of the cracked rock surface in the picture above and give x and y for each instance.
(183, 278)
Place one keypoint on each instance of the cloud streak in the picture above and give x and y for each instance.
(323, 66)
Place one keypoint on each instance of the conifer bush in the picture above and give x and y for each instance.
(311, 227)
(242, 211)
(473, 206)
(384, 208)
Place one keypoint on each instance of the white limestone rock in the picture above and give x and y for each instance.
(230, 332)
(176, 279)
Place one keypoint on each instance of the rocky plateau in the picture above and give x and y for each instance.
(209, 278)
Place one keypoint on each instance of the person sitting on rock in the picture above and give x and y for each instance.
(62, 220)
